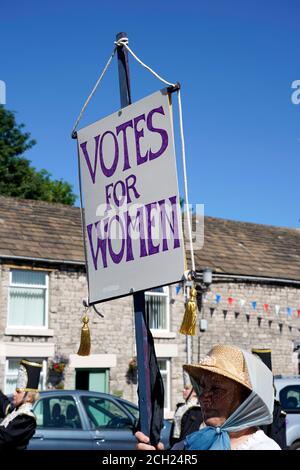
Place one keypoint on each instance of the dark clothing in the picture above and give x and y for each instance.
(190, 422)
(156, 389)
(18, 432)
(277, 429)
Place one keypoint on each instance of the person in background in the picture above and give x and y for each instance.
(277, 429)
(187, 417)
(19, 423)
(235, 390)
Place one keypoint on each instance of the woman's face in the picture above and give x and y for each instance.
(219, 397)
(186, 392)
(18, 398)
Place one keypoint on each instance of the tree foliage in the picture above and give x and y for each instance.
(18, 178)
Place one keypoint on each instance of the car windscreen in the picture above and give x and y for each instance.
(103, 412)
(132, 409)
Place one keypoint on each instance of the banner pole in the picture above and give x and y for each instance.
(142, 348)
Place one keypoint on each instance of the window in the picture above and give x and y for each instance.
(12, 367)
(102, 412)
(289, 398)
(59, 412)
(164, 367)
(28, 298)
(157, 308)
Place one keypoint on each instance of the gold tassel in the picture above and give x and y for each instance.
(188, 326)
(85, 340)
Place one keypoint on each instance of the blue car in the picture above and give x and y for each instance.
(82, 420)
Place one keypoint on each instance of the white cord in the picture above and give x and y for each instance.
(185, 180)
(92, 92)
(124, 42)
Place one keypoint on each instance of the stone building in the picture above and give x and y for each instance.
(253, 301)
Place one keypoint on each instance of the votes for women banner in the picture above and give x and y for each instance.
(132, 216)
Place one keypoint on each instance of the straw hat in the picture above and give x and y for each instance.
(224, 360)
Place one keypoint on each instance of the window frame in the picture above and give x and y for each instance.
(283, 396)
(33, 328)
(44, 361)
(58, 399)
(166, 295)
(167, 373)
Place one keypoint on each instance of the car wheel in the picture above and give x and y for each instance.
(295, 446)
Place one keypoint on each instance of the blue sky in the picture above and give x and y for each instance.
(235, 59)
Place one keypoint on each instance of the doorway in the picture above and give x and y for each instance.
(94, 380)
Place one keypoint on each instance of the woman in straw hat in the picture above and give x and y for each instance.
(235, 390)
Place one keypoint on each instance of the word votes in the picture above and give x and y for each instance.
(295, 97)
(118, 155)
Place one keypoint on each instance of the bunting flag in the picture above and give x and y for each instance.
(256, 305)
(277, 309)
(177, 289)
(266, 307)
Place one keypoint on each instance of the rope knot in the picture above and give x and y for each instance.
(121, 42)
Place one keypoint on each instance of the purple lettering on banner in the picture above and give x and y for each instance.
(174, 227)
(116, 257)
(152, 249)
(162, 208)
(138, 135)
(87, 158)
(108, 195)
(123, 128)
(129, 223)
(119, 202)
(130, 184)
(163, 133)
(129, 252)
(101, 242)
(109, 171)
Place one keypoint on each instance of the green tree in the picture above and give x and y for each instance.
(17, 177)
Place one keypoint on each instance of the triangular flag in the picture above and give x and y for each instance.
(298, 311)
(218, 298)
(266, 307)
(289, 311)
(242, 302)
(277, 309)
(178, 289)
(253, 305)
(230, 300)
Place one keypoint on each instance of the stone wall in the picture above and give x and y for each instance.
(249, 328)
(114, 334)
